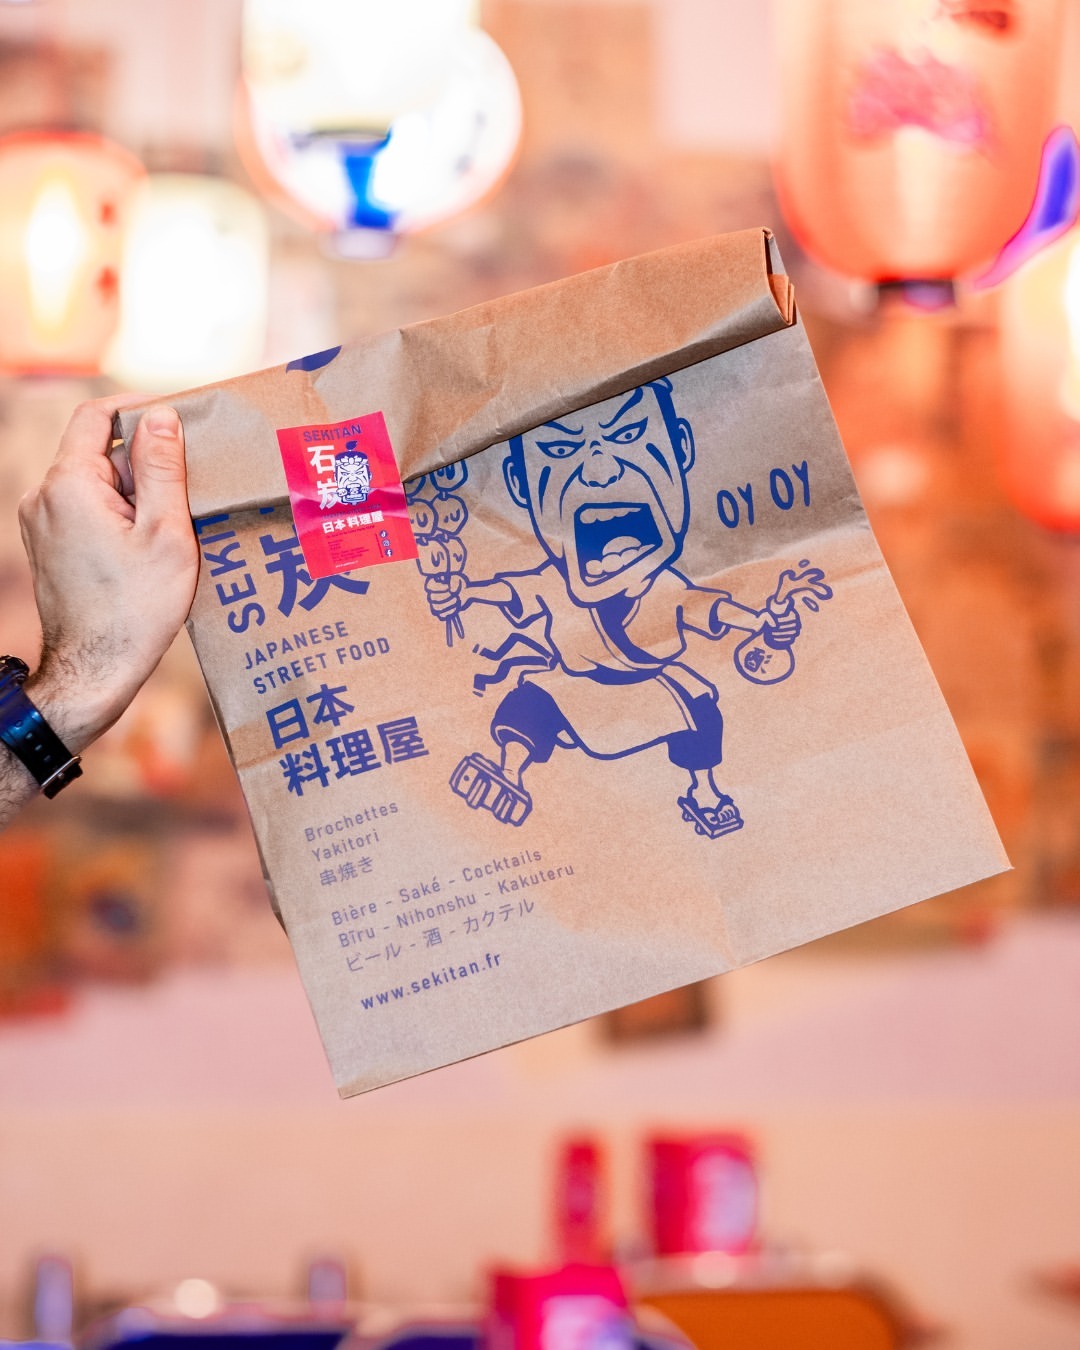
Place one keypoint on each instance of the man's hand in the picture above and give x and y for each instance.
(447, 595)
(114, 563)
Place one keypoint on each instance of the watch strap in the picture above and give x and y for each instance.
(27, 734)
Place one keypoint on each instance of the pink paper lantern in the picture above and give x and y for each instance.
(912, 130)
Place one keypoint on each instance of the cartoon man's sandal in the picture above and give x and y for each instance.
(485, 786)
(714, 821)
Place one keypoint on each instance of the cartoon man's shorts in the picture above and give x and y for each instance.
(531, 716)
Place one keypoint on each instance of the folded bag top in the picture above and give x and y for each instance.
(452, 386)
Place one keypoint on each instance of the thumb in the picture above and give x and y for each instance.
(157, 466)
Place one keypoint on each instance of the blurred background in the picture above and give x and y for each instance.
(194, 188)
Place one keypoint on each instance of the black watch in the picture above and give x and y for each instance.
(26, 733)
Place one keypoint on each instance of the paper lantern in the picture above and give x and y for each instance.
(1040, 354)
(63, 197)
(435, 160)
(348, 66)
(195, 275)
(912, 130)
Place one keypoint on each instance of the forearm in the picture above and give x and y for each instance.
(727, 613)
(496, 592)
(17, 785)
(713, 612)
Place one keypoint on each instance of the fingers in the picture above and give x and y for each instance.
(89, 432)
(125, 483)
(442, 603)
(783, 632)
(157, 467)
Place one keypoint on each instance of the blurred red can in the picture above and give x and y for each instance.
(580, 1208)
(704, 1194)
(576, 1307)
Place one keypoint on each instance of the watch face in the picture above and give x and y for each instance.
(12, 672)
(13, 668)
(26, 733)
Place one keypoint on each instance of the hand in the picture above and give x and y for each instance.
(781, 630)
(446, 594)
(114, 562)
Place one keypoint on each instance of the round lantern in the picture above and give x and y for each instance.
(63, 198)
(435, 160)
(912, 130)
(331, 66)
(1040, 354)
(195, 275)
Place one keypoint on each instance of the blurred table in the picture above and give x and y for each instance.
(776, 1300)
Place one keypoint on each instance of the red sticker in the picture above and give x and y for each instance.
(346, 494)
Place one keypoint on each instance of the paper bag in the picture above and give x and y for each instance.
(616, 692)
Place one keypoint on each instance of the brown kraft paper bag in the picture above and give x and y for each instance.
(633, 702)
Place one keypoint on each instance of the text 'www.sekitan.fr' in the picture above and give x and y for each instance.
(437, 979)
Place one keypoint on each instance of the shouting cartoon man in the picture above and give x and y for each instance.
(606, 492)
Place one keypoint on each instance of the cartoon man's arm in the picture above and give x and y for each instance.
(714, 613)
(449, 594)
(727, 613)
(720, 613)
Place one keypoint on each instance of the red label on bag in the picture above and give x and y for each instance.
(346, 494)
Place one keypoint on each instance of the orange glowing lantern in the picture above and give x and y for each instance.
(62, 200)
(912, 130)
(1040, 351)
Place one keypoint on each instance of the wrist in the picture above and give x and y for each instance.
(29, 736)
(78, 711)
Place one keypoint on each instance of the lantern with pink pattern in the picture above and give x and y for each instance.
(912, 131)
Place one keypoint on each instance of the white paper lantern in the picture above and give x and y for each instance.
(436, 160)
(193, 284)
(331, 66)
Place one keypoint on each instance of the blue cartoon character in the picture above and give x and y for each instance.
(352, 475)
(606, 492)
